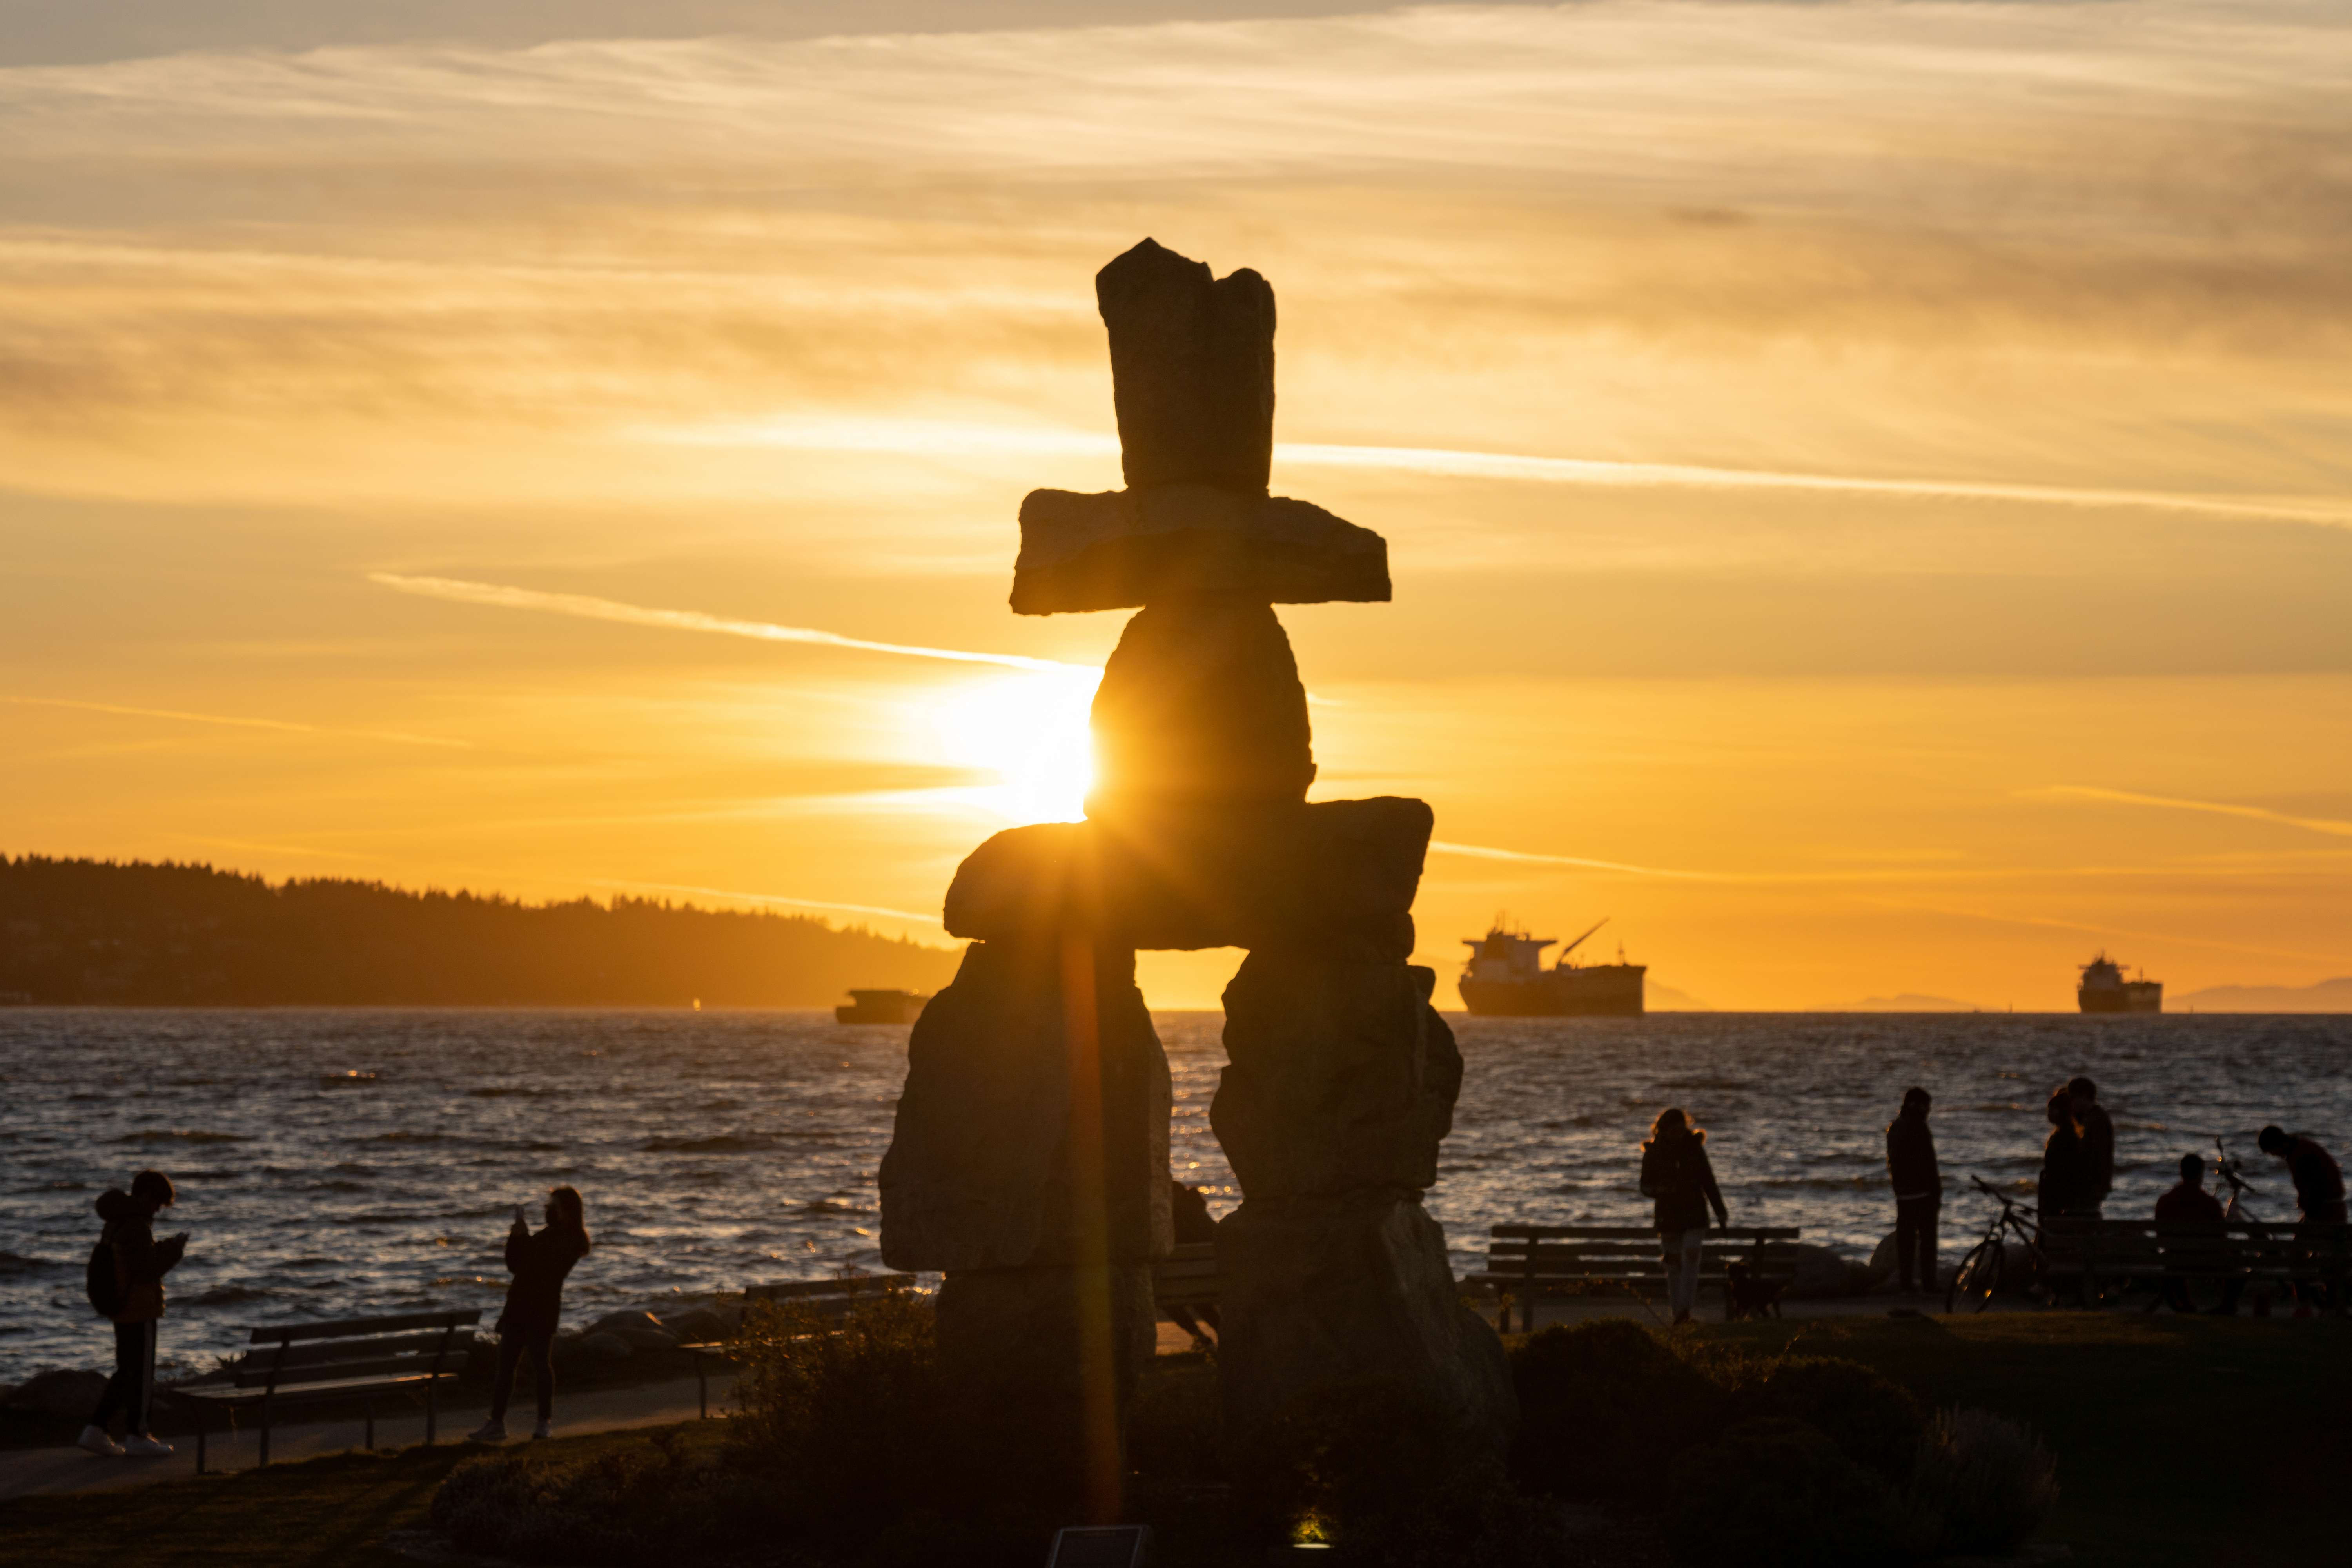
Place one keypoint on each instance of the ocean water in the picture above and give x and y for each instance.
(337, 1163)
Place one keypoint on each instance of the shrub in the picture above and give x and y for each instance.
(1873, 1420)
(1604, 1409)
(1979, 1485)
(1773, 1492)
(632, 1506)
(1175, 1428)
(1365, 1465)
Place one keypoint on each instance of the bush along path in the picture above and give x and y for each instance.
(1875, 1442)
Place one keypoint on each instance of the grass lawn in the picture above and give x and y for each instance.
(2180, 1440)
(328, 1511)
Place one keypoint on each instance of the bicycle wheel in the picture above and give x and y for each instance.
(1974, 1281)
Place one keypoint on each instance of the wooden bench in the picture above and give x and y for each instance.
(1529, 1260)
(827, 1298)
(354, 1358)
(2102, 1255)
(1186, 1277)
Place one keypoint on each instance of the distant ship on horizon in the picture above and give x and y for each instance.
(1506, 978)
(2104, 990)
(881, 1007)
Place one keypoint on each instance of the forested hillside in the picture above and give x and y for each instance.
(187, 935)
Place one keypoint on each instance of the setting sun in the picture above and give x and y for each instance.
(1030, 730)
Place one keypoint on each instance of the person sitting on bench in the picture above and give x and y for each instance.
(2189, 1203)
(1193, 1223)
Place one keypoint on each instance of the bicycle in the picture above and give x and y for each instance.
(1981, 1272)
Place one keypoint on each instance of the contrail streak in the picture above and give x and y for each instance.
(946, 438)
(931, 919)
(596, 609)
(1591, 471)
(1480, 852)
(392, 735)
(2250, 813)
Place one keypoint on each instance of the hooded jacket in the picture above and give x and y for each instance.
(1911, 1159)
(140, 1261)
(1677, 1175)
(540, 1260)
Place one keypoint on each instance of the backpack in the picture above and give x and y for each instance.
(105, 1286)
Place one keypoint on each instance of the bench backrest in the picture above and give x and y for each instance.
(1187, 1277)
(403, 1344)
(2121, 1244)
(1616, 1251)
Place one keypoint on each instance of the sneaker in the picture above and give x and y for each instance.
(95, 1440)
(541, 1430)
(488, 1432)
(146, 1445)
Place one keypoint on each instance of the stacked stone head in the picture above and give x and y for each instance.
(1030, 1156)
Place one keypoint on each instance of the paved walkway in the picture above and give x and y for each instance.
(28, 1470)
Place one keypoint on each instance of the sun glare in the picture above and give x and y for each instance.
(1030, 730)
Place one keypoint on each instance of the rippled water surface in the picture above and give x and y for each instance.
(333, 1164)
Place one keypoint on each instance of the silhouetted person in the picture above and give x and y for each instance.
(526, 1330)
(1193, 1223)
(2099, 1143)
(135, 1304)
(1918, 1184)
(2318, 1194)
(2187, 1204)
(1679, 1180)
(2065, 1184)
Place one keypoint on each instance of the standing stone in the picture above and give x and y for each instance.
(1018, 1143)
(1192, 365)
(1341, 1086)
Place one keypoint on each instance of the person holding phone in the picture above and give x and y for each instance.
(127, 1286)
(540, 1260)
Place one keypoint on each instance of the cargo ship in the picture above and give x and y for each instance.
(1507, 979)
(2105, 989)
(881, 1007)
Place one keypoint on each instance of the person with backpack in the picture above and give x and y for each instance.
(540, 1260)
(126, 1285)
(1676, 1176)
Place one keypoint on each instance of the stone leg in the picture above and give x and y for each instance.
(1341, 1085)
(1043, 1363)
(1318, 1291)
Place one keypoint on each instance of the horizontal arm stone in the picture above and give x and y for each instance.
(1119, 549)
(1335, 874)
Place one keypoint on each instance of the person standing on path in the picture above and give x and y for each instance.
(127, 1286)
(2066, 1186)
(1918, 1184)
(2098, 1145)
(1677, 1178)
(526, 1329)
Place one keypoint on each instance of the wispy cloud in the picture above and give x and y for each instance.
(946, 438)
(394, 737)
(1481, 852)
(2170, 803)
(594, 609)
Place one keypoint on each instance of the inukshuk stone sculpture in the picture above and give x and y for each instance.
(1030, 1159)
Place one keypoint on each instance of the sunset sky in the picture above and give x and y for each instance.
(1868, 487)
